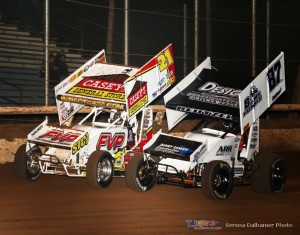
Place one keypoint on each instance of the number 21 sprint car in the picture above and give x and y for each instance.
(214, 158)
(98, 146)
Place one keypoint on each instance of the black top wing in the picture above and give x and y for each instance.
(213, 94)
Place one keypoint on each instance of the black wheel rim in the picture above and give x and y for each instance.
(222, 181)
(278, 176)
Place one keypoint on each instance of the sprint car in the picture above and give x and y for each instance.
(100, 145)
(223, 148)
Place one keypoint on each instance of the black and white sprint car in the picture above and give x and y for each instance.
(214, 158)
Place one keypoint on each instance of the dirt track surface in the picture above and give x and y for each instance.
(62, 205)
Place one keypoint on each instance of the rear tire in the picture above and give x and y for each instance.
(99, 169)
(269, 174)
(26, 168)
(138, 177)
(217, 180)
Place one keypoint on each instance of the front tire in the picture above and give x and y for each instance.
(99, 169)
(269, 174)
(217, 180)
(26, 167)
(138, 176)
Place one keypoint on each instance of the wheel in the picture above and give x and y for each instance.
(138, 176)
(269, 174)
(25, 165)
(217, 180)
(99, 169)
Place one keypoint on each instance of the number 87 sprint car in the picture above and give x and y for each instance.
(214, 158)
(99, 146)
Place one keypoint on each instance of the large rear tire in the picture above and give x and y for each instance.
(99, 169)
(269, 174)
(138, 176)
(217, 180)
(26, 167)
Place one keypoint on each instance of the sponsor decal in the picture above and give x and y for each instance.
(111, 142)
(137, 106)
(91, 64)
(214, 99)
(73, 78)
(252, 146)
(161, 82)
(273, 75)
(274, 97)
(65, 112)
(161, 89)
(37, 130)
(171, 78)
(205, 112)
(97, 94)
(83, 141)
(252, 100)
(200, 153)
(148, 113)
(100, 59)
(212, 87)
(224, 150)
(138, 95)
(79, 73)
(59, 136)
(86, 68)
(238, 170)
(90, 102)
(168, 148)
(98, 84)
(138, 100)
(203, 224)
(99, 89)
(254, 140)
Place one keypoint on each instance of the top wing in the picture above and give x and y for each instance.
(157, 75)
(262, 92)
(211, 94)
(97, 83)
(205, 92)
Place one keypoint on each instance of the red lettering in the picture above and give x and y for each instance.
(59, 136)
(99, 84)
(138, 95)
(49, 134)
(111, 142)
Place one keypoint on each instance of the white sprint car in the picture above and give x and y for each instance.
(214, 158)
(100, 145)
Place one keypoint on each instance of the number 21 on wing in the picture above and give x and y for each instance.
(165, 59)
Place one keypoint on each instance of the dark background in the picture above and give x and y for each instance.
(154, 24)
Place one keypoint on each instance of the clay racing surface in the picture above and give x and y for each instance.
(63, 205)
